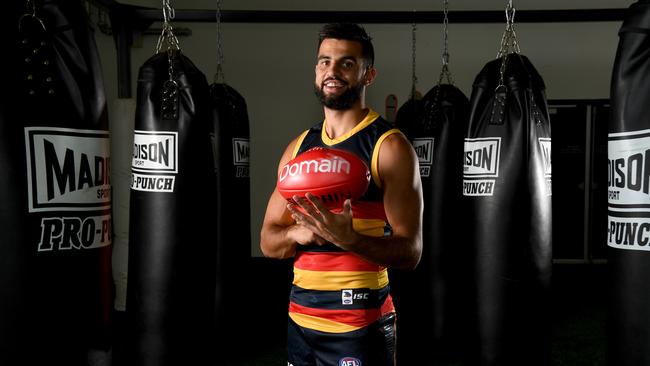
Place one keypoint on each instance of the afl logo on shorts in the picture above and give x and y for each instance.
(349, 361)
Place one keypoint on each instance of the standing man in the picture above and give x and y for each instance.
(340, 309)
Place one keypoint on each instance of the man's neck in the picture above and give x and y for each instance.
(340, 122)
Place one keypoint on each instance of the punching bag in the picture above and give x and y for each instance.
(628, 325)
(436, 311)
(55, 217)
(410, 111)
(507, 189)
(231, 152)
(172, 220)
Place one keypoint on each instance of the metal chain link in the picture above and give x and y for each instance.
(445, 73)
(414, 78)
(170, 91)
(167, 34)
(219, 76)
(508, 42)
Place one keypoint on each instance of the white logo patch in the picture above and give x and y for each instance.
(481, 166)
(628, 184)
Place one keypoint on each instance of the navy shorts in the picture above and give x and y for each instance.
(373, 345)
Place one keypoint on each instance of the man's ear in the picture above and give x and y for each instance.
(371, 74)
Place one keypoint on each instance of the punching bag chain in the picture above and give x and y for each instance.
(445, 73)
(509, 37)
(170, 99)
(167, 34)
(414, 78)
(508, 41)
(219, 76)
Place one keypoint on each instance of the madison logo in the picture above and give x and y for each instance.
(155, 161)
(482, 157)
(240, 152)
(481, 161)
(332, 165)
(68, 169)
(155, 151)
(628, 168)
(241, 157)
(628, 182)
(424, 150)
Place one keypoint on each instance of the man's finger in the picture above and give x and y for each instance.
(308, 206)
(315, 201)
(347, 207)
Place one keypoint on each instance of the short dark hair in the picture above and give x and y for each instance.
(350, 32)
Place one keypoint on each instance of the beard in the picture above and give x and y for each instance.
(339, 102)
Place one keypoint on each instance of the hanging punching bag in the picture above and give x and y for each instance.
(409, 112)
(232, 152)
(172, 220)
(629, 202)
(55, 217)
(437, 310)
(507, 189)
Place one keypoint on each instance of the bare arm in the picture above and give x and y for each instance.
(399, 173)
(280, 235)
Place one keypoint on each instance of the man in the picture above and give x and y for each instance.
(340, 310)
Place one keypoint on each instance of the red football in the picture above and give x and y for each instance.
(329, 174)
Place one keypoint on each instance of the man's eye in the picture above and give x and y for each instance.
(348, 65)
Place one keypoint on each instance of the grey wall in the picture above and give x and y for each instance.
(271, 65)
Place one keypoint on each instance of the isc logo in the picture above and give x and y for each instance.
(349, 361)
(348, 296)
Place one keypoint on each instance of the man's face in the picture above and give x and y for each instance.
(340, 73)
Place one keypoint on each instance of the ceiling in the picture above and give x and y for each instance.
(384, 5)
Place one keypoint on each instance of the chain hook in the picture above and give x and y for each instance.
(168, 11)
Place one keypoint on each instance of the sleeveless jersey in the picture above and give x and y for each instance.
(333, 290)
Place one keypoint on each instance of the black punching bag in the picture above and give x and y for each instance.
(172, 221)
(629, 201)
(231, 151)
(507, 189)
(55, 208)
(438, 308)
(410, 111)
